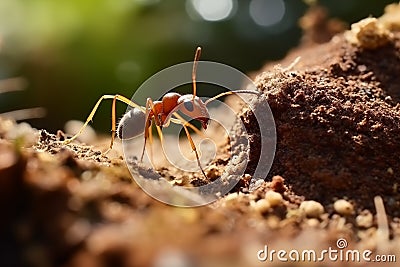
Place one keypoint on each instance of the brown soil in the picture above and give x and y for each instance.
(337, 117)
(338, 125)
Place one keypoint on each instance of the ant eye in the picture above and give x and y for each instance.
(188, 105)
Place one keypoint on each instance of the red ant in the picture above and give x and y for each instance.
(161, 113)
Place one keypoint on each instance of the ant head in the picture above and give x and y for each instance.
(195, 108)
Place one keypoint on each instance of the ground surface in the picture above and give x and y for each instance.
(335, 174)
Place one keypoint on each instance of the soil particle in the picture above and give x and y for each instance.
(273, 198)
(365, 219)
(278, 184)
(369, 33)
(343, 207)
(262, 206)
(311, 208)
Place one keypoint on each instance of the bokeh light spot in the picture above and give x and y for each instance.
(212, 10)
(267, 12)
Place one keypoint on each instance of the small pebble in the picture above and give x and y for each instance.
(312, 209)
(368, 33)
(179, 181)
(365, 219)
(388, 98)
(77, 231)
(25, 132)
(262, 206)
(174, 258)
(312, 222)
(231, 197)
(273, 198)
(213, 173)
(278, 184)
(343, 207)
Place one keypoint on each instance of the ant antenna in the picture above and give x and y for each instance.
(231, 93)
(194, 70)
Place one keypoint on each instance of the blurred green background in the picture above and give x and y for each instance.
(71, 52)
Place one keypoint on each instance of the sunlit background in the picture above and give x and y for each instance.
(68, 53)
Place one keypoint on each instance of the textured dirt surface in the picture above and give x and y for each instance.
(338, 125)
(335, 175)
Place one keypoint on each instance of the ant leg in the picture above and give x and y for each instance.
(180, 120)
(113, 123)
(148, 124)
(194, 70)
(185, 124)
(148, 133)
(150, 137)
(96, 106)
(194, 149)
(160, 134)
(291, 66)
(151, 142)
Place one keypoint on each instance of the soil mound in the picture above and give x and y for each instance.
(337, 115)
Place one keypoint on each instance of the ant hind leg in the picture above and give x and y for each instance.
(113, 119)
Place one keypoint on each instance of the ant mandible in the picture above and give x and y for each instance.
(161, 113)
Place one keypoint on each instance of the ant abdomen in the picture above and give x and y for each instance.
(131, 124)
